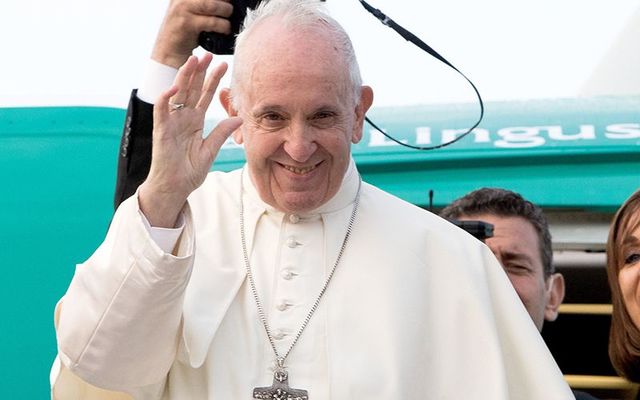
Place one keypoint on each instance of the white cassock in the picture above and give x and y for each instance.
(417, 308)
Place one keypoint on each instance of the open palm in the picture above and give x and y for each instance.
(181, 156)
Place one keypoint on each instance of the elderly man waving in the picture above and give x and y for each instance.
(290, 278)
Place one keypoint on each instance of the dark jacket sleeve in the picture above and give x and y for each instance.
(583, 396)
(134, 156)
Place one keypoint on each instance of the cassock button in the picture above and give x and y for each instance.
(294, 219)
(287, 274)
(282, 306)
(291, 242)
(279, 335)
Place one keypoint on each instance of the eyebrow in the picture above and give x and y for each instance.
(281, 109)
(630, 237)
(509, 255)
(267, 108)
(628, 241)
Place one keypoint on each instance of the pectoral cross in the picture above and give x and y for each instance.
(280, 389)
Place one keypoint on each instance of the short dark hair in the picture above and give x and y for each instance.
(505, 203)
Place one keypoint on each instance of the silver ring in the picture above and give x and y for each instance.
(176, 106)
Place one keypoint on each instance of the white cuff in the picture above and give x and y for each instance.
(165, 238)
(157, 78)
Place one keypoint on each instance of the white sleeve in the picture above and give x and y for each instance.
(119, 323)
(157, 78)
(165, 238)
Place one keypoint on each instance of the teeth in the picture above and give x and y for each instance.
(299, 171)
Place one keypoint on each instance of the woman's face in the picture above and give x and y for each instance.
(629, 272)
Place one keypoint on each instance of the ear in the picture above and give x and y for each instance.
(227, 104)
(554, 295)
(366, 99)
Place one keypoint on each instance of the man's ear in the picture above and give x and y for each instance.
(227, 104)
(555, 296)
(366, 99)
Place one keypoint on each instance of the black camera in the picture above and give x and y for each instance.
(480, 229)
(218, 43)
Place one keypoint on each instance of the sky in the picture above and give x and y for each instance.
(72, 52)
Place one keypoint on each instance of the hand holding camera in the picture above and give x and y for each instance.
(212, 24)
(182, 24)
(224, 43)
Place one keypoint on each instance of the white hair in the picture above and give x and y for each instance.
(293, 14)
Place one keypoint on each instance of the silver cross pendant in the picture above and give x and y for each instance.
(280, 389)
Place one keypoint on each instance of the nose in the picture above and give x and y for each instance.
(300, 142)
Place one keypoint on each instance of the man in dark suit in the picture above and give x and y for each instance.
(177, 37)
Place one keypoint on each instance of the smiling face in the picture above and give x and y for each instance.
(629, 272)
(300, 116)
(515, 244)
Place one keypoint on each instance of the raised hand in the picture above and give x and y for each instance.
(183, 22)
(181, 157)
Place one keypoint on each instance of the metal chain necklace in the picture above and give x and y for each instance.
(280, 389)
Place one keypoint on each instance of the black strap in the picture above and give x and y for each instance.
(416, 41)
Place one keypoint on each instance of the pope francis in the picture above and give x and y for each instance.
(290, 278)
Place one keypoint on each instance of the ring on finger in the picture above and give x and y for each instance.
(176, 106)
